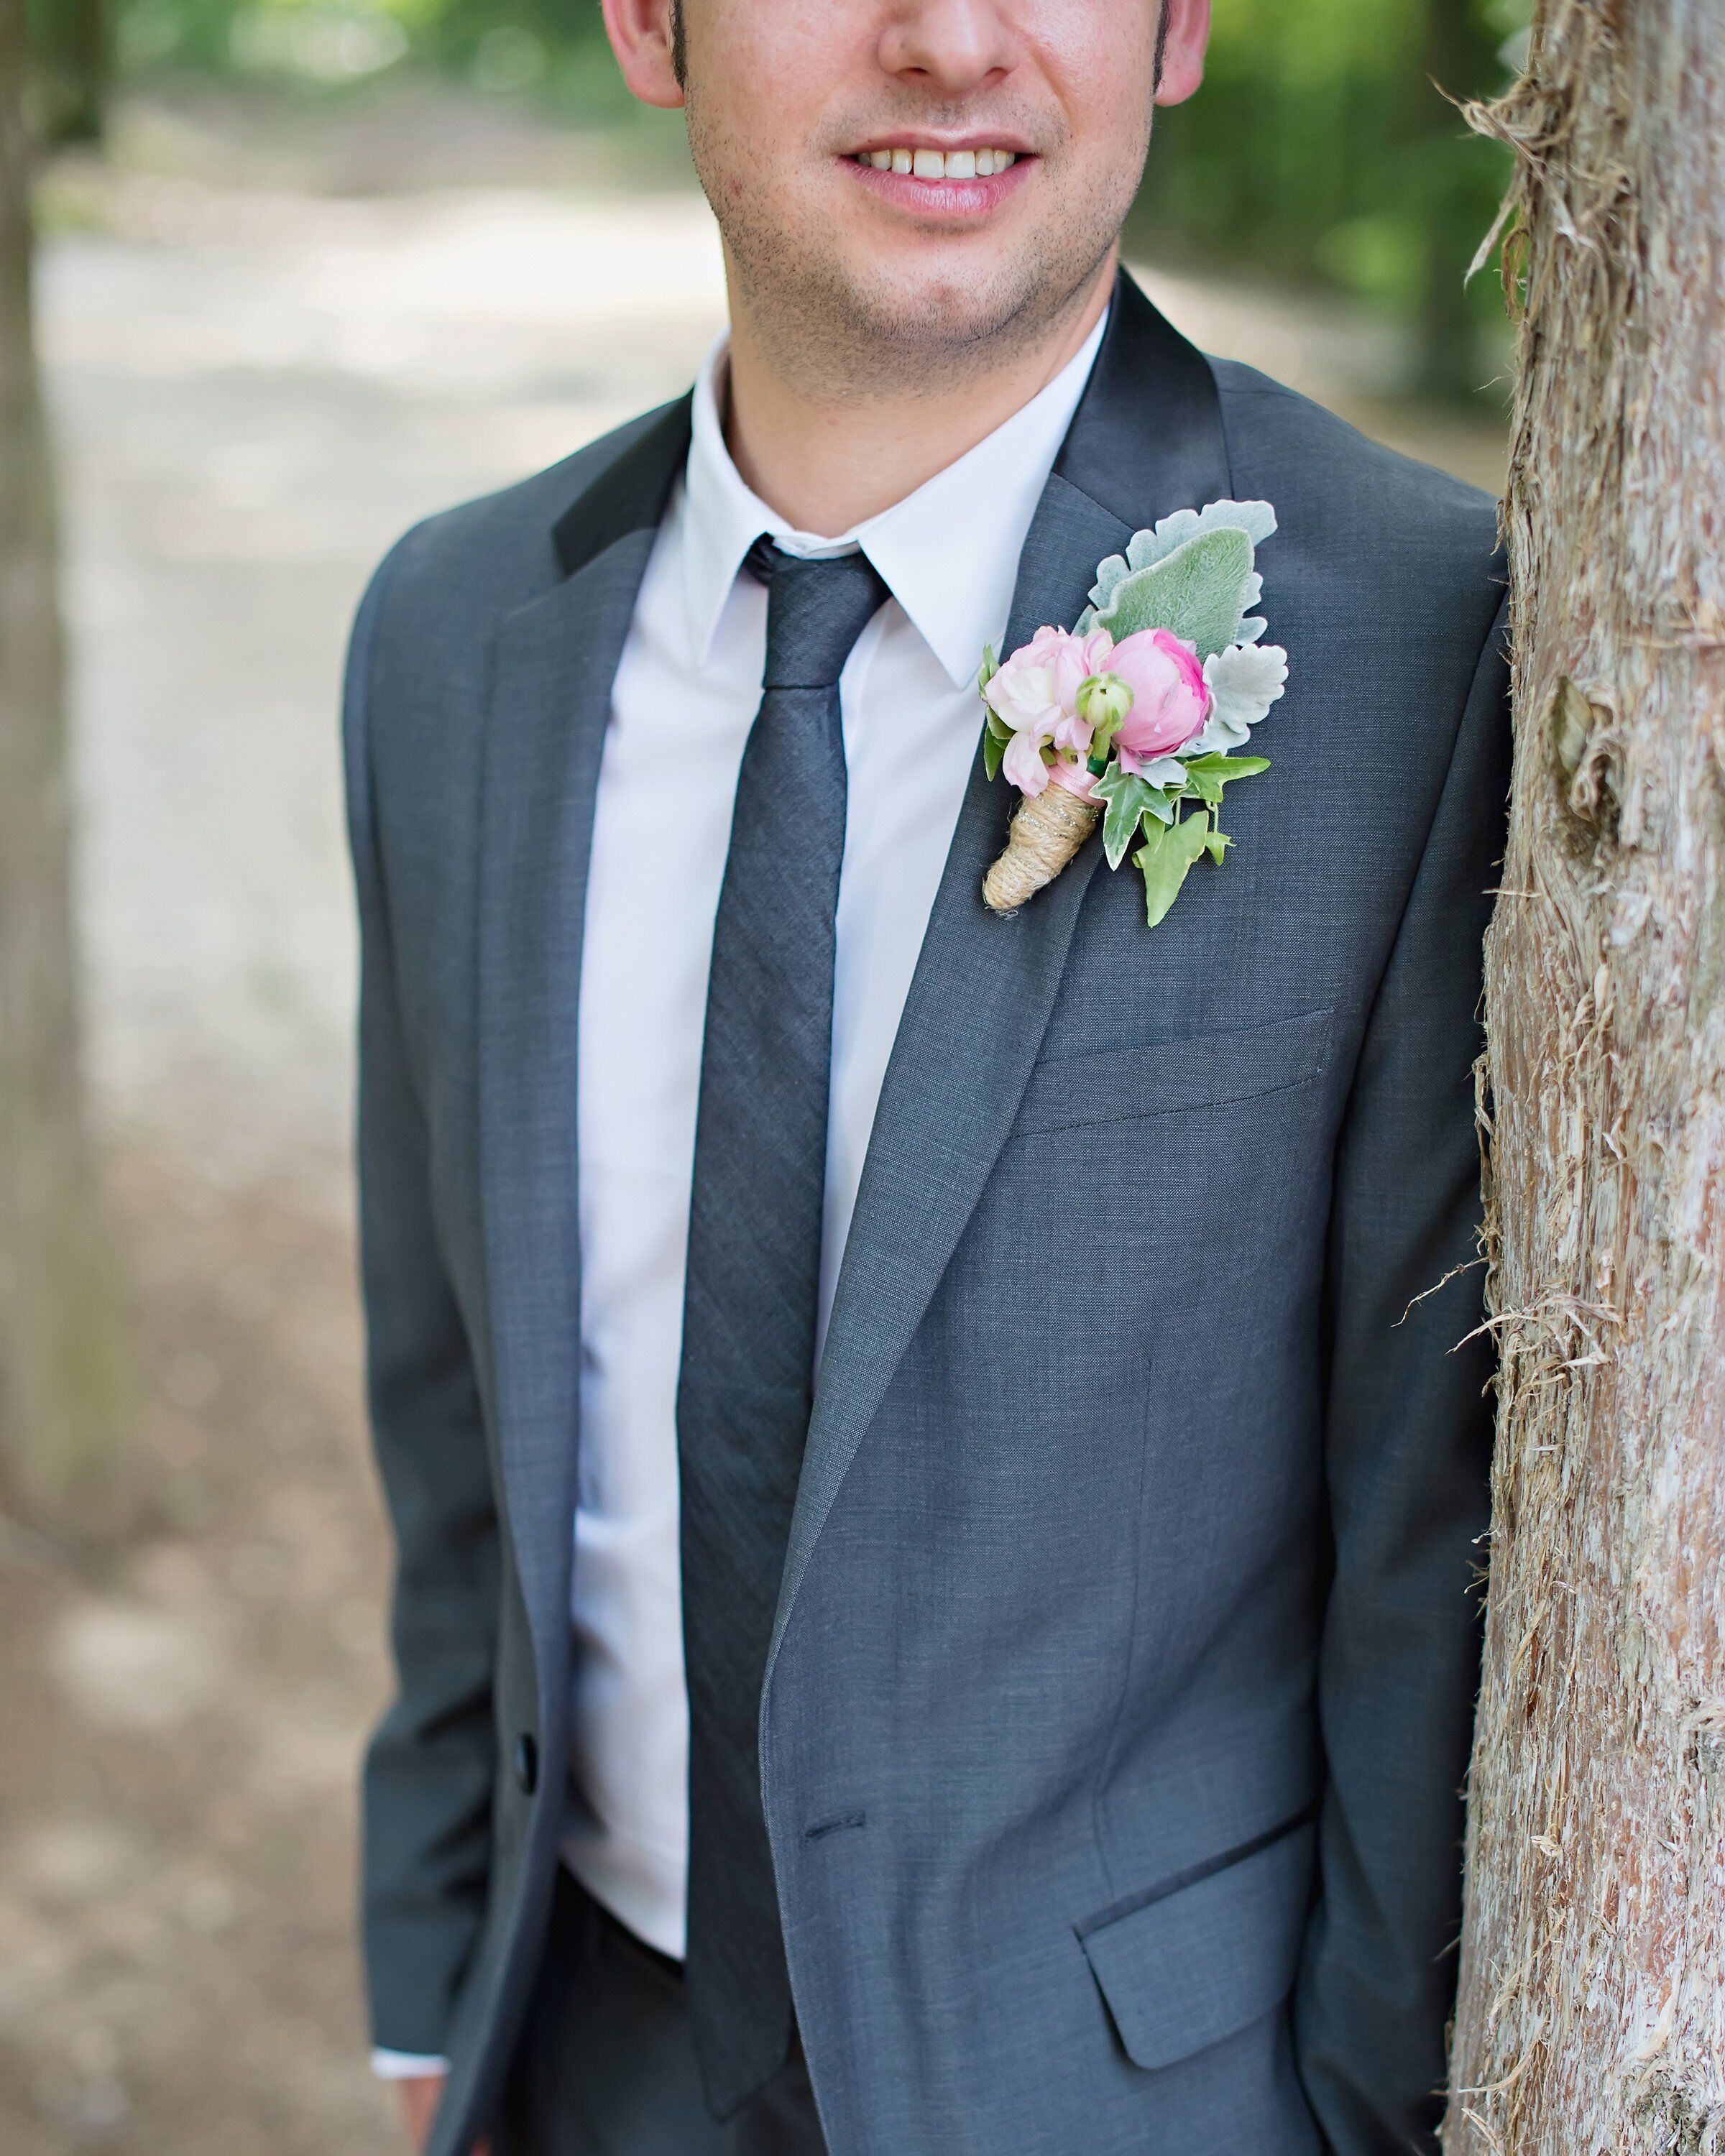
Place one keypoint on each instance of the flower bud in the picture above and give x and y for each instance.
(1102, 703)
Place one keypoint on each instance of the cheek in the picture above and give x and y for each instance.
(1099, 58)
(775, 68)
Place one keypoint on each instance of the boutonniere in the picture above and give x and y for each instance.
(1133, 716)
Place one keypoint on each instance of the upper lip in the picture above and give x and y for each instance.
(974, 138)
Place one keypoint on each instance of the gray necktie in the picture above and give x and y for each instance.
(749, 1313)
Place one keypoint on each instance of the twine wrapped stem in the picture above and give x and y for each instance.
(1046, 831)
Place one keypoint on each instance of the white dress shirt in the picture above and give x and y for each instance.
(686, 695)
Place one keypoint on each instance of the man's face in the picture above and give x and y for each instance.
(1024, 124)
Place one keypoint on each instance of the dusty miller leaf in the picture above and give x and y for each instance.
(1199, 592)
(1145, 549)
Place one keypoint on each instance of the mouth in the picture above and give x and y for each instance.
(943, 183)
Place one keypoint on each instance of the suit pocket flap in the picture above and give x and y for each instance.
(1191, 1967)
(1205, 1069)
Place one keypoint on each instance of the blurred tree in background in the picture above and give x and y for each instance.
(63, 1359)
(1323, 149)
(73, 54)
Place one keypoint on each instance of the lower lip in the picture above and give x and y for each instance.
(953, 202)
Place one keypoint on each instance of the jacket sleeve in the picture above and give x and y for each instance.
(1407, 1438)
(427, 1788)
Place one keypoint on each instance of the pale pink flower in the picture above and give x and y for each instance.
(1035, 691)
(1170, 699)
(1072, 732)
(1022, 763)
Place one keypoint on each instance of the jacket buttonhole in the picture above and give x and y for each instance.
(838, 1825)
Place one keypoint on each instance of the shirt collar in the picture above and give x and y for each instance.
(949, 552)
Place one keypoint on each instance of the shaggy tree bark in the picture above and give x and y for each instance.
(60, 1356)
(1592, 2015)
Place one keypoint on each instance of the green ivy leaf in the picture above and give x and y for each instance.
(1199, 592)
(994, 749)
(1216, 844)
(1127, 797)
(1167, 852)
(1225, 767)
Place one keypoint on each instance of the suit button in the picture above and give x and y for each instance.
(527, 1764)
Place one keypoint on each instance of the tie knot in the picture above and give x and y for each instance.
(815, 611)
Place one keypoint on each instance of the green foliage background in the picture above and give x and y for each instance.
(1325, 148)
(1320, 150)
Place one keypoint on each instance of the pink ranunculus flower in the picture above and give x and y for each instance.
(1035, 691)
(1170, 699)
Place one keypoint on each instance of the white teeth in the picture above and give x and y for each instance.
(941, 164)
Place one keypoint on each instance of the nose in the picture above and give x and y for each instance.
(951, 46)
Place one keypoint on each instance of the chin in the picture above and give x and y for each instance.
(911, 303)
(852, 309)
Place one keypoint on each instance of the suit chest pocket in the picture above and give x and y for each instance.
(1203, 1070)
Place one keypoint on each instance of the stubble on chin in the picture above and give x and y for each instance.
(842, 333)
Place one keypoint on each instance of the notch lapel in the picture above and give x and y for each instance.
(550, 699)
(1146, 439)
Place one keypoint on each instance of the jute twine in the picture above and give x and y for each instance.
(1045, 833)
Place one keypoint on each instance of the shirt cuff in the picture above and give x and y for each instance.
(406, 2065)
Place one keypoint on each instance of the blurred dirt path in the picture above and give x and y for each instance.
(181, 1715)
(255, 395)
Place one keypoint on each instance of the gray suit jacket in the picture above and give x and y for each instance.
(1119, 1702)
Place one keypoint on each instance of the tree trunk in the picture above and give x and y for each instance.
(60, 1352)
(1592, 2014)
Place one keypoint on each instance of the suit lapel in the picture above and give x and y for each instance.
(550, 699)
(1145, 440)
